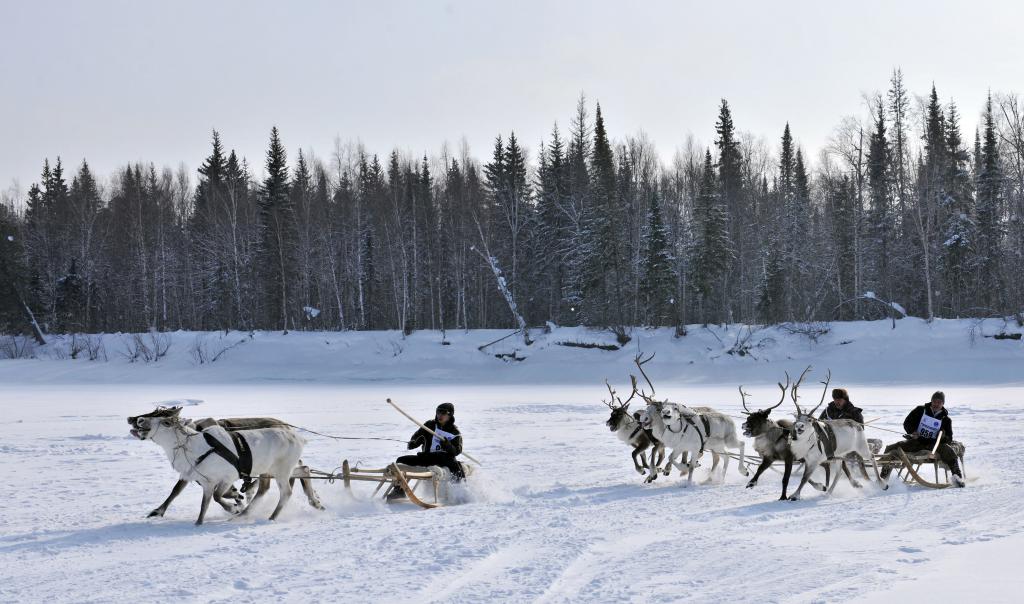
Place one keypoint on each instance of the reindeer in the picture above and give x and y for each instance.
(772, 440)
(688, 432)
(821, 442)
(236, 497)
(716, 429)
(203, 456)
(629, 430)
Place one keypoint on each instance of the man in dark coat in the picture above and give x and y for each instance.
(440, 448)
(842, 408)
(922, 426)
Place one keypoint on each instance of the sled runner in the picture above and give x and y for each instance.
(908, 465)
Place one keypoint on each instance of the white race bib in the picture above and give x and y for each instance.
(435, 443)
(929, 426)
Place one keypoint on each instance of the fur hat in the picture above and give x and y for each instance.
(840, 393)
(939, 395)
(446, 408)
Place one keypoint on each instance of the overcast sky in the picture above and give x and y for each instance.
(115, 82)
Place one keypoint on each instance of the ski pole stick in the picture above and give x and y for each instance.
(416, 421)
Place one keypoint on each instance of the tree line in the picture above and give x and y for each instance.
(900, 206)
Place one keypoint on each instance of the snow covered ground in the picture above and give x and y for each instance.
(555, 514)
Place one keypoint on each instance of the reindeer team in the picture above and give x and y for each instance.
(663, 435)
(687, 432)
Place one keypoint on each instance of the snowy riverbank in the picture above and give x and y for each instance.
(555, 514)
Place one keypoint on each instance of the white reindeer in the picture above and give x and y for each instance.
(275, 453)
(820, 442)
(688, 432)
(717, 430)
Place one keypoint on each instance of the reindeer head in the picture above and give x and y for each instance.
(619, 409)
(143, 426)
(653, 409)
(671, 412)
(757, 422)
(804, 419)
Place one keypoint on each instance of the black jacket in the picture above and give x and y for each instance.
(914, 420)
(847, 412)
(424, 438)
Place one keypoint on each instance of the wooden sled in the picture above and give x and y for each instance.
(908, 465)
(406, 478)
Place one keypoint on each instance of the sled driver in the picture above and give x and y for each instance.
(922, 427)
(842, 408)
(438, 449)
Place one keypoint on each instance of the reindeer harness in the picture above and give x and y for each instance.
(826, 438)
(242, 461)
(689, 422)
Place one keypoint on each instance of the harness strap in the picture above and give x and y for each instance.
(636, 431)
(697, 430)
(826, 437)
(241, 462)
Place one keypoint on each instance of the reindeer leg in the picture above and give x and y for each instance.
(714, 465)
(660, 451)
(693, 466)
(849, 475)
(301, 472)
(765, 464)
(260, 492)
(175, 491)
(285, 487)
(205, 505)
(639, 451)
(671, 461)
(311, 495)
(835, 470)
(785, 476)
(744, 470)
(808, 470)
(230, 505)
(874, 464)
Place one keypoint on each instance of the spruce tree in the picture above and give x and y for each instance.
(658, 281)
(732, 198)
(988, 207)
(276, 226)
(604, 305)
(880, 213)
(711, 250)
(958, 228)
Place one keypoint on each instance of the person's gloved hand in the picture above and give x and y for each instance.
(411, 444)
(447, 446)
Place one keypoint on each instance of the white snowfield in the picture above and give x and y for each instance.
(555, 514)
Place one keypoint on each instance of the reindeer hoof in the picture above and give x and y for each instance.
(155, 514)
(794, 498)
(751, 484)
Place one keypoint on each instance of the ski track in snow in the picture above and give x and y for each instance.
(557, 514)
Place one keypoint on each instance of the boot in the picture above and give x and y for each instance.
(394, 493)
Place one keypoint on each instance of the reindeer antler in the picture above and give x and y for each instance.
(793, 394)
(783, 397)
(640, 362)
(828, 378)
(743, 399)
(611, 392)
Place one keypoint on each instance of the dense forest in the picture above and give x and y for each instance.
(900, 206)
